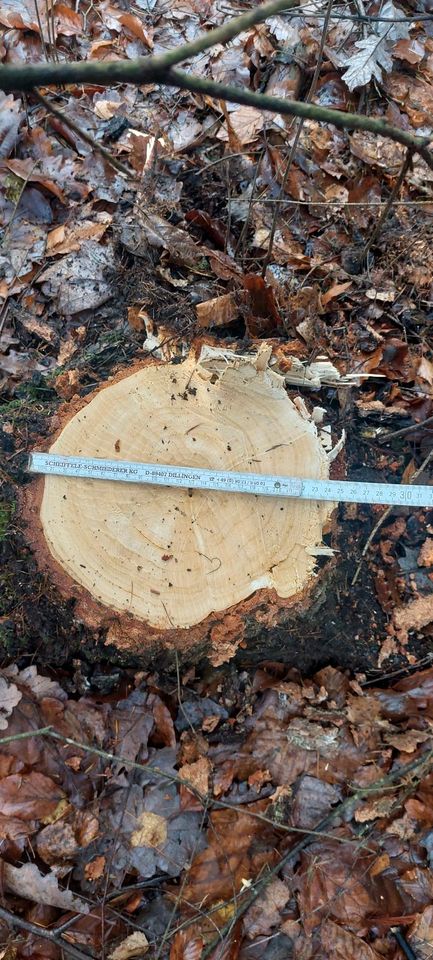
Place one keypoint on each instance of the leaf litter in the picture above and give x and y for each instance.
(92, 827)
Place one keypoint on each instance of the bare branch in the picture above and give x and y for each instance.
(141, 70)
(297, 108)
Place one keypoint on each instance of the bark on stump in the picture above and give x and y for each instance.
(163, 567)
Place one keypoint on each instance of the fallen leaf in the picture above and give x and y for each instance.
(38, 327)
(39, 685)
(407, 741)
(94, 870)
(133, 946)
(136, 318)
(11, 117)
(185, 946)
(10, 696)
(341, 944)
(262, 315)
(425, 370)
(27, 170)
(27, 881)
(245, 123)
(420, 935)
(231, 855)
(265, 913)
(67, 21)
(65, 239)
(217, 312)
(335, 291)
(29, 796)
(80, 282)
(410, 50)
(57, 843)
(373, 809)
(425, 556)
(152, 831)
(413, 616)
(373, 51)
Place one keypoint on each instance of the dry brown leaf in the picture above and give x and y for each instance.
(186, 946)
(65, 239)
(421, 935)
(341, 944)
(414, 616)
(410, 50)
(382, 863)
(11, 117)
(377, 151)
(57, 843)
(217, 312)
(425, 370)
(133, 946)
(407, 741)
(197, 774)
(335, 291)
(67, 21)
(425, 556)
(335, 883)
(373, 809)
(245, 123)
(136, 318)
(29, 796)
(152, 831)
(27, 170)
(94, 870)
(39, 685)
(231, 856)
(66, 384)
(38, 327)
(265, 914)
(106, 109)
(28, 882)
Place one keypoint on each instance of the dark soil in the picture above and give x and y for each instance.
(345, 626)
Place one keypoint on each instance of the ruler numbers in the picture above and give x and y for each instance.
(349, 491)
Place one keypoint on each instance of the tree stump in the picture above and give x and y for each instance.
(163, 567)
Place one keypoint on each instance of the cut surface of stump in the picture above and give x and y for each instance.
(167, 558)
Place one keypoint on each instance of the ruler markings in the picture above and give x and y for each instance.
(198, 478)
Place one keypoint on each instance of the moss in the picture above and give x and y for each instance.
(11, 646)
(7, 511)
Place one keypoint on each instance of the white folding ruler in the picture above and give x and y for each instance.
(198, 478)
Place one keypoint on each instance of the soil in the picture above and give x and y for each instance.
(346, 626)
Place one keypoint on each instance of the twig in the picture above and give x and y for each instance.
(311, 92)
(41, 31)
(404, 430)
(143, 68)
(113, 161)
(156, 69)
(205, 799)
(39, 931)
(295, 108)
(350, 803)
(407, 163)
(25, 736)
(384, 516)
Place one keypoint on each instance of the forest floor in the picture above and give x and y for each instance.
(99, 268)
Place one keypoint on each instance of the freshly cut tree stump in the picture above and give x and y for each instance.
(171, 567)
